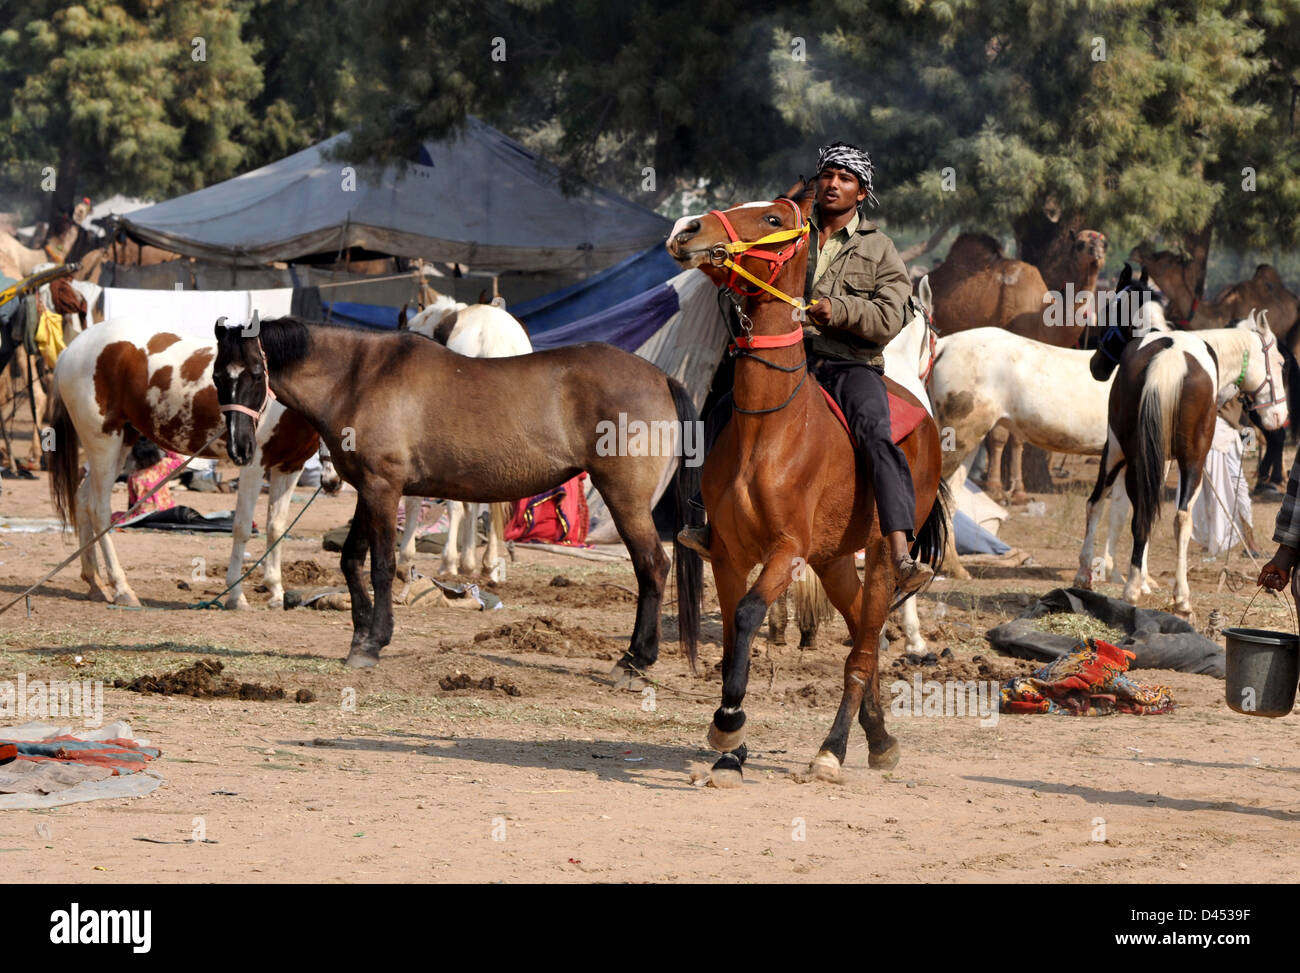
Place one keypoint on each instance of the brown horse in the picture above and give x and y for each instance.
(403, 415)
(781, 484)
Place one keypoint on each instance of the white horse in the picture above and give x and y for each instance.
(122, 378)
(1245, 360)
(476, 331)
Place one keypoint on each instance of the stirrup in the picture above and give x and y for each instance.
(911, 575)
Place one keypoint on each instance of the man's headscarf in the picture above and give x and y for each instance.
(851, 159)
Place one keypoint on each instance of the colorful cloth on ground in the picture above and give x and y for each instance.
(141, 482)
(1088, 681)
(558, 516)
(118, 755)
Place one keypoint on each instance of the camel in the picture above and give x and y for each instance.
(978, 286)
(1174, 274)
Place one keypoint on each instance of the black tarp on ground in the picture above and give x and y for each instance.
(185, 518)
(1160, 640)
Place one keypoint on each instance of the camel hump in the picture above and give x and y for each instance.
(975, 248)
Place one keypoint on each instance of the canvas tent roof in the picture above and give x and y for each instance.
(477, 198)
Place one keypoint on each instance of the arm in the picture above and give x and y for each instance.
(1287, 534)
(878, 316)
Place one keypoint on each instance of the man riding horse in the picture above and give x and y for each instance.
(860, 287)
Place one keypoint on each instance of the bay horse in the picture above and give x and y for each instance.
(421, 420)
(909, 358)
(476, 331)
(1162, 409)
(123, 379)
(781, 484)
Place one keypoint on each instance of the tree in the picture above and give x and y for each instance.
(139, 96)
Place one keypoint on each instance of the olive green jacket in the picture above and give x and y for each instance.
(868, 286)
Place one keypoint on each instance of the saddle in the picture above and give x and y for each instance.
(904, 414)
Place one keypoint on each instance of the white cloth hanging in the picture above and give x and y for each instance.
(1214, 528)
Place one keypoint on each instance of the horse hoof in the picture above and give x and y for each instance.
(726, 777)
(723, 741)
(359, 659)
(728, 771)
(1186, 614)
(498, 573)
(1083, 580)
(127, 600)
(825, 767)
(886, 759)
(627, 679)
(239, 604)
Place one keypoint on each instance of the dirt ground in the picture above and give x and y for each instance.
(536, 770)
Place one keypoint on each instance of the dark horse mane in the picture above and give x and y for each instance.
(288, 339)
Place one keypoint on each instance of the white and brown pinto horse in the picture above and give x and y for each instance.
(1162, 409)
(476, 331)
(122, 380)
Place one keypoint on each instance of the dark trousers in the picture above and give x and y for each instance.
(859, 390)
(1270, 457)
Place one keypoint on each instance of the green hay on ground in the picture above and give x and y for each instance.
(1078, 627)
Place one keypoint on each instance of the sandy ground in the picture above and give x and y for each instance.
(572, 781)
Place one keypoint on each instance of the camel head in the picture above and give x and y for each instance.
(1088, 253)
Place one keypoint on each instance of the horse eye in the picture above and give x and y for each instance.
(775, 221)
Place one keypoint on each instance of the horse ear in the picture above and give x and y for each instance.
(926, 294)
(1143, 279)
(1125, 277)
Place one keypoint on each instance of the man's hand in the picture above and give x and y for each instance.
(1274, 576)
(820, 313)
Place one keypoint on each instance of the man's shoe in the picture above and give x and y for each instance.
(912, 575)
(698, 539)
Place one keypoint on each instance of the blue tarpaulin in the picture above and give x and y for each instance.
(600, 292)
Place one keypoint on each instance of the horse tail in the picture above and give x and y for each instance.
(932, 539)
(63, 460)
(1155, 418)
(812, 606)
(688, 565)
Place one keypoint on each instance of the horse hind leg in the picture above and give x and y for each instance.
(632, 518)
(1112, 461)
(406, 548)
(778, 617)
(450, 552)
(100, 496)
(1189, 485)
(864, 608)
(351, 562)
(85, 531)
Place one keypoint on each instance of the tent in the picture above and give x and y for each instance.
(476, 198)
(624, 280)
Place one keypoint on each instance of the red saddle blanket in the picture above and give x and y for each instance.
(904, 416)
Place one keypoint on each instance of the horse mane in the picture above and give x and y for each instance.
(287, 340)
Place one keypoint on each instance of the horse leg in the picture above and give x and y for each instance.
(864, 609)
(1016, 447)
(277, 519)
(494, 562)
(635, 525)
(1138, 556)
(85, 531)
(912, 627)
(250, 486)
(1112, 460)
(778, 617)
(102, 475)
(951, 560)
(406, 552)
(351, 562)
(993, 443)
(727, 731)
(450, 555)
(469, 536)
(728, 770)
(1189, 485)
(381, 498)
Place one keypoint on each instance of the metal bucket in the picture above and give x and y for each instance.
(1262, 671)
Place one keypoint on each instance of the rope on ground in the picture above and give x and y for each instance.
(94, 540)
